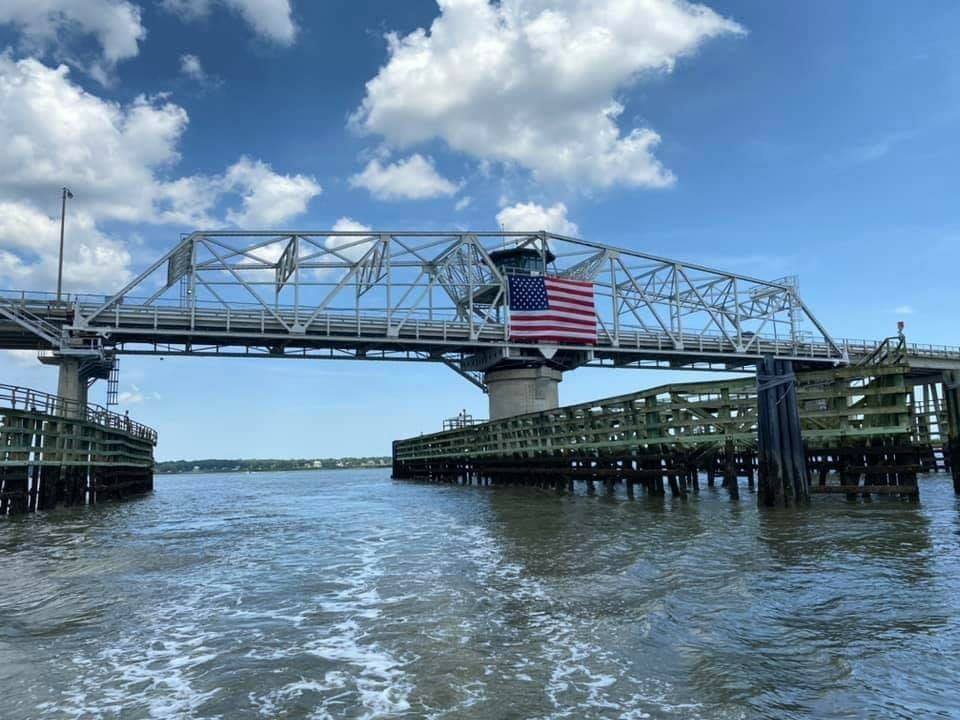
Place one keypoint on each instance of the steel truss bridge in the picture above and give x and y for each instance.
(426, 296)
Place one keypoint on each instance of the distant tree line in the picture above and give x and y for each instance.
(214, 465)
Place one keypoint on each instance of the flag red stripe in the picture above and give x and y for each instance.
(580, 322)
(555, 336)
(572, 307)
(579, 314)
(572, 292)
(572, 314)
(585, 284)
(558, 328)
(569, 303)
(573, 327)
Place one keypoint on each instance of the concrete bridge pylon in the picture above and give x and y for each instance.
(71, 383)
(75, 374)
(517, 391)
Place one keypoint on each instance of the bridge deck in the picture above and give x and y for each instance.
(165, 329)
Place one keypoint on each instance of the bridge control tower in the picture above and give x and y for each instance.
(526, 381)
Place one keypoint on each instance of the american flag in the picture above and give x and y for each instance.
(552, 309)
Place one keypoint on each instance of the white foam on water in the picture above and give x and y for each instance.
(273, 703)
(295, 619)
(584, 679)
(158, 669)
(379, 678)
(475, 692)
(367, 674)
(134, 672)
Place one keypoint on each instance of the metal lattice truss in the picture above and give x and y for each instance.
(441, 297)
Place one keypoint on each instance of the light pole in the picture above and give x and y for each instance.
(63, 217)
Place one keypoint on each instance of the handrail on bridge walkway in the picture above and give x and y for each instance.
(21, 398)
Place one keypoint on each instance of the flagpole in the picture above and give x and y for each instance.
(63, 215)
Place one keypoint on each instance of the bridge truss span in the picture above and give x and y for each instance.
(440, 297)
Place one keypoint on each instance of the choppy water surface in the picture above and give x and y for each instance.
(346, 595)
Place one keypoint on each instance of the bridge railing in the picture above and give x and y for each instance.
(345, 323)
(430, 324)
(245, 318)
(419, 325)
(866, 347)
(22, 398)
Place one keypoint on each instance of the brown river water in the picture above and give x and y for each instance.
(343, 594)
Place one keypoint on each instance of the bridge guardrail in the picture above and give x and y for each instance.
(865, 347)
(350, 324)
(22, 398)
(347, 322)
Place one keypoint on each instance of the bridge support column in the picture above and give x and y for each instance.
(516, 391)
(951, 391)
(783, 477)
(72, 385)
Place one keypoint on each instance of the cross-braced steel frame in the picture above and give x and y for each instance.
(441, 297)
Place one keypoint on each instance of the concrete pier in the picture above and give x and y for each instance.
(72, 385)
(519, 391)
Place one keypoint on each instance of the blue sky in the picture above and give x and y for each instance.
(815, 139)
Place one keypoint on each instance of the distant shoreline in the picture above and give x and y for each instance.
(218, 465)
(267, 470)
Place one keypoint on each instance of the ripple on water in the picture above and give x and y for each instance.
(322, 595)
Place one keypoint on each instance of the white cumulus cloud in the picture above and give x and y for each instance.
(353, 246)
(191, 66)
(48, 25)
(412, 178)
(271, 19)
(29, 249)
(535, 83)
(56, 133)
(268, 197)
(534, 217)
(118, 160)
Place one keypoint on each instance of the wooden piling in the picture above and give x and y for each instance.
(782, 459)
(951, 392)
(841, 424)
(49, 460)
